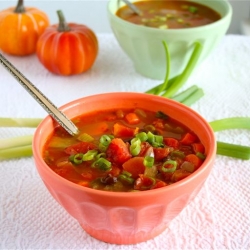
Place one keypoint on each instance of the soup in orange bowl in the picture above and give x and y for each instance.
(93, 179)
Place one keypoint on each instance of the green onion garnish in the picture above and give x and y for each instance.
(105, 141)
(126, 176)
(135, 146)
(102, 164)
(142, 136)
(170, 166)
(148, 161)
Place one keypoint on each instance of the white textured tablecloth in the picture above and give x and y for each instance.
(218, 218)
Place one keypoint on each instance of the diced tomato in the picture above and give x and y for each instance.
(159, 184)
(118, 151)
(179, 174)
(198, 147)
(120, 130)
(159, 123)
(132, 118)
(171, 142)
(115, 171)
(194, 159)
(144, 148)
(81, 147)
(188, 139)
(144, 182)
(134, 166)
(161, 153)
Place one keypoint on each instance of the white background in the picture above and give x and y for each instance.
(93, 13)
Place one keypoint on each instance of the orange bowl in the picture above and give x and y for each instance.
(126, 217)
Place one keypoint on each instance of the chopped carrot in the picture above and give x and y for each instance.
(159, 184)
(132, 118)
(198, 147)
(134, 166)
(161, 153)
(120, 130)
(188, 139)
(179, 174)
(194, 160)
(171, 142)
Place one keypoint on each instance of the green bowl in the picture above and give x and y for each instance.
(144, 45)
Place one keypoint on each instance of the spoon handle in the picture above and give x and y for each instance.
(58, 115)
(132, 7)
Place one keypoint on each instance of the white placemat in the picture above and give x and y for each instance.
(218, 218)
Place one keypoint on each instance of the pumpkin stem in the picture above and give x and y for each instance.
(19, 8)
(63, 26)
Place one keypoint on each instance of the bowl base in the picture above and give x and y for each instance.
(122, 238)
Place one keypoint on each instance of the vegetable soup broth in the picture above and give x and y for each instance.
(165, 14)
(124, 150)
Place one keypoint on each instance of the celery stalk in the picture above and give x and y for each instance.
(16, 152)
(195, 96)
(233, 150)
(20, 122)
(230, 123)
(16, 141)
(185, 94)
(182, 78)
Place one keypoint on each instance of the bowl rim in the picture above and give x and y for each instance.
(47, 121)
(227, 16)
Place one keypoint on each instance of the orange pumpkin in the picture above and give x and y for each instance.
(20, 29)
(67, 49)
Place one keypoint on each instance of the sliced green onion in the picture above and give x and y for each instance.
(20, 122)
(168, 169)
(127, 179)
(126, 176)
(76, 159)
(16, 152)
(142, 136)
(105, 141)
(233, 150)
(187, 71)
(102, 164)
(90, 155)
(230, 123)
(148, 161)
(155, 140)
(135, 146)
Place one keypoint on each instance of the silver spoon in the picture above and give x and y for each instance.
(132, 7)
(58, 115)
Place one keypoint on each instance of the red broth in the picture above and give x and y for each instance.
(167, 14)
(125, 150)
